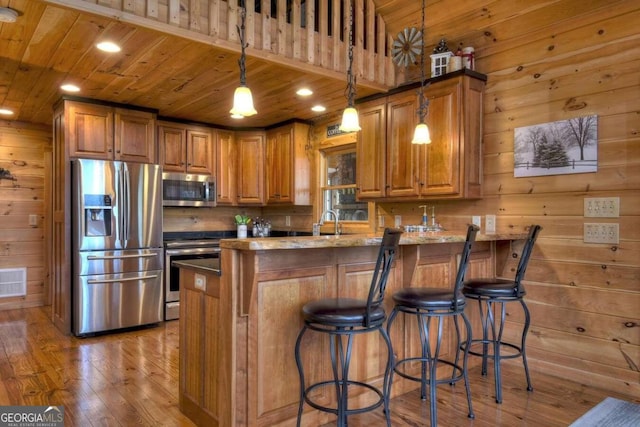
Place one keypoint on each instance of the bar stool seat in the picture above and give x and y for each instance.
(347, 317)
(427, 304)
(492, 294)
(342, 312)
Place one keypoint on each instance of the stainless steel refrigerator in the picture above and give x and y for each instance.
(117, 245)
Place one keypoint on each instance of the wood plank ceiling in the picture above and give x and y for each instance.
(50, 45)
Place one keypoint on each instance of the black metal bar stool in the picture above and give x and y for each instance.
(346, 317)
(492, 294)
(439, 303)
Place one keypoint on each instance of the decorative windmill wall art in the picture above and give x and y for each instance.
(406, 47)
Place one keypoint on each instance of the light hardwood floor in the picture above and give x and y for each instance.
(131, 378)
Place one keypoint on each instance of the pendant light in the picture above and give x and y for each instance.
(242, 99)
(350, 115)
(421, 134)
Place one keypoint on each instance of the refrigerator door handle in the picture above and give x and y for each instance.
(95, 257)
(130, 279)
(120, 201)
(126, 201)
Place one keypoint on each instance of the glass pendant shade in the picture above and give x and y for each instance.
(421, 135)
(242, 103)
(350, 121)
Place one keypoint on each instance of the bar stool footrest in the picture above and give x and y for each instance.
(350, 384)
(489, 354)
(459, 372)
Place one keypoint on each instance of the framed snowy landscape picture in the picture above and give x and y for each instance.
(556, 148)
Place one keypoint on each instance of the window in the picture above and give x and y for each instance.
(339, 189)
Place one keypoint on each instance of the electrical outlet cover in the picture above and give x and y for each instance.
(490, 223)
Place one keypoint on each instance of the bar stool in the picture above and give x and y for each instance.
(439, 303)
(347, 317)
(492, 292)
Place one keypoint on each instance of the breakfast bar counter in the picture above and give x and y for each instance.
(238, 329)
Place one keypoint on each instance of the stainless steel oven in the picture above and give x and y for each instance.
(182, 246)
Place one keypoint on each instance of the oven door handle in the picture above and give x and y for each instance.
(191, 251)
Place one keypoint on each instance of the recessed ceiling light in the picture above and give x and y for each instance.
(6, 112)
(304, 92)
(318, 108)
(108, 47)
(8, 15)
(70, 88)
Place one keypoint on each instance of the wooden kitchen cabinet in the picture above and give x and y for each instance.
(186, 148)
(226, 168)
(96, 131)
(288, 165)
(451, 166)
(200, 336)
(390, 167)
(371, 150)
(402, 167)
(250, 167)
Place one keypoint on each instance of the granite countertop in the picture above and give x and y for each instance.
(352, 240)
(209, 264)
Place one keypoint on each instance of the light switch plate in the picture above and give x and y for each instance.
(476, 220)
(490, 224)
(602, 207)
(397, 221)
(602, 233)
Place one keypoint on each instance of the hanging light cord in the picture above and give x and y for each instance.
(350, 91)
(243, 45)
(424, 102)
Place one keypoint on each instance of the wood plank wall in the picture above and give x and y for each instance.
(25, 156)
(584, 297)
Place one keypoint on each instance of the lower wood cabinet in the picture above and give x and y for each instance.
(200, 337)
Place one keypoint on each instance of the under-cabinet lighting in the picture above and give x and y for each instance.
(6, 112)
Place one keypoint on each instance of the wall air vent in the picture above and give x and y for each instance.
(13, 282)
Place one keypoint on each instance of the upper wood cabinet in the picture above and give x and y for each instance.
(250, 162)
(186, 148)
(288, 167)
(226, 168)
(451, 166)
(95, 131)
(390, 167)
(371, 150)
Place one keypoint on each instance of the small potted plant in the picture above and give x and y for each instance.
(241, 222)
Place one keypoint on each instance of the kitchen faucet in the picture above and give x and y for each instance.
(434, 225)
(335, 220)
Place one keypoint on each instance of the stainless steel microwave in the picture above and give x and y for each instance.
(185, 189)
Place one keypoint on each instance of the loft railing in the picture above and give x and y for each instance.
(311, 35)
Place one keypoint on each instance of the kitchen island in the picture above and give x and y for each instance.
(240, 327)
